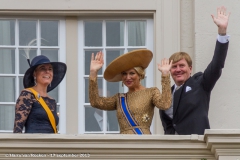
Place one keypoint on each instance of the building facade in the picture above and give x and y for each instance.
(70, 30)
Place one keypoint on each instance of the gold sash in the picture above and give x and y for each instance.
(46, 108)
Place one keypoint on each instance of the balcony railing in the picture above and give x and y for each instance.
(213, 145)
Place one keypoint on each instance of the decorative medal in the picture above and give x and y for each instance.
(145, 118)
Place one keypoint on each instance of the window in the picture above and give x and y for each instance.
(114, 38)
(15, 35)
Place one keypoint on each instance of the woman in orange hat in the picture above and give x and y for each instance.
(135, 108)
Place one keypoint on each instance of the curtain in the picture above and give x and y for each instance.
(136, 33)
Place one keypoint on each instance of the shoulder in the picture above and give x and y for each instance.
(196, 76)
(149, 89)
(153, 89)
(26, 92)
(25, 97)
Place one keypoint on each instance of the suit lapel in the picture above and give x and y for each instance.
(179, 93)
(172, 88)
(177, 97)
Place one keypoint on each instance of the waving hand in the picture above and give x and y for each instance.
(165, 66)
(221, 20)
(96, 63)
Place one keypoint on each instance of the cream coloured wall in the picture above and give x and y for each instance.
(166, 27)
(225, 99)
(187, 27)
(184, 25)
(197, 37)
(72, 80)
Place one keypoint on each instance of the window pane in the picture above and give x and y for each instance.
(112, 121)
(7, 61)
(143, 81)
(115, 33)
(112, 54)
(52, 54)
(49, 33)
(88, 55)
(20, 84)
(7, 32)
(136, 33)
(113, 87)
(27, 32)
(54, 93)
(7, 85)
(7, 115)
(93, 119)
(93, 33)
(100, 90)
(23, 64)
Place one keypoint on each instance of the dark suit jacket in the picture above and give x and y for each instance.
(190, 109)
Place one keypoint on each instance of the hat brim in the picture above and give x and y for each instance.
(59, 71)
(136, 58)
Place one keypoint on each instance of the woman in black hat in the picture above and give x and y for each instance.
(35, 110)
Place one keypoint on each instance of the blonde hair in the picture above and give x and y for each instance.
(140, 71)
(179, 56)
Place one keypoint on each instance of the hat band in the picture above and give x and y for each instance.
(42, 61)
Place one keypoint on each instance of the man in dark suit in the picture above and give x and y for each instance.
(188, 113)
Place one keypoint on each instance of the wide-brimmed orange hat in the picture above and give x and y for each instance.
(136, 58)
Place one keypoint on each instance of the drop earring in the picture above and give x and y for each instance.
(35, 82)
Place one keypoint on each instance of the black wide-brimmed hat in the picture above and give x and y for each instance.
(59, 71)
(135, 58)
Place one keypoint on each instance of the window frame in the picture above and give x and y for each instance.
(81, 58)
(61, 58)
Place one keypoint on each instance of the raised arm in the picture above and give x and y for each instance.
(163, 101)
(104, 103)
(214, 69)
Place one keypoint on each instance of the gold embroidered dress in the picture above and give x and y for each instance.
(140, 104)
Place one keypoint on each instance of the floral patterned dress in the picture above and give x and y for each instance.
(30, 114)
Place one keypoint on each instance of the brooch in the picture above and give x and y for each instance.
(145, 118)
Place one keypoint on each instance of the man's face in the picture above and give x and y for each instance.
(180, 71)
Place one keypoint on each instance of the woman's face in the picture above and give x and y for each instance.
(130, 78)
(44, 74)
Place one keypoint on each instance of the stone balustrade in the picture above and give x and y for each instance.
(213, 145)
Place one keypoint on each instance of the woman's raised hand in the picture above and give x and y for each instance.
(96, 63)
(165, 66)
